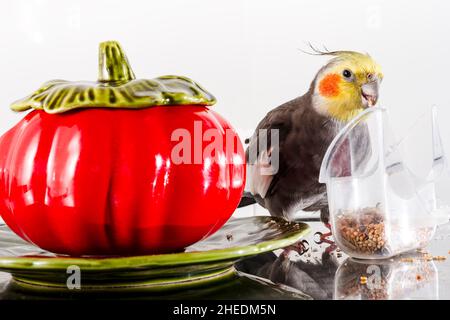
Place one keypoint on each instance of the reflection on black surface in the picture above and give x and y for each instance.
(405, 277)
(238, 287)
(322, 274)
(310, 276)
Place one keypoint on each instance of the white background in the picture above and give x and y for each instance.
(245, 52)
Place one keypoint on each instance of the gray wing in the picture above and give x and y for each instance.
(267, 142)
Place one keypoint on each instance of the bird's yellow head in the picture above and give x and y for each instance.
(346, 85)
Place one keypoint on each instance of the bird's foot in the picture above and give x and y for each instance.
(321, 237)
(331, 248)
(300, 247)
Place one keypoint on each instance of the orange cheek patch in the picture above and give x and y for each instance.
(329, 85)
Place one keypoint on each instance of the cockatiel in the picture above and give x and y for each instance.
(342, 89)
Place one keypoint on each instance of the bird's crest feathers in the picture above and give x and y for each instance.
(363, 61)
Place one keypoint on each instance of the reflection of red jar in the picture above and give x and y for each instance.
(101, 179)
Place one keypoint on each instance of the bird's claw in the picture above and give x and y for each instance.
(320, 237)
(300, 247)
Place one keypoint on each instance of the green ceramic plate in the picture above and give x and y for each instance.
(210, 260)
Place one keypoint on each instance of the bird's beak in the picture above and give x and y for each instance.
(369, 93)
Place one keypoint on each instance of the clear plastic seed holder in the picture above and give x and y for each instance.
(378, 206)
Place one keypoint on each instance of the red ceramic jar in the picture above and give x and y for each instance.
(119, 166)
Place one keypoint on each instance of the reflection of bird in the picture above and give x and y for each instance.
(311, 278)
(283, 176)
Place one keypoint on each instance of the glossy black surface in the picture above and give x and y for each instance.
(317, 271)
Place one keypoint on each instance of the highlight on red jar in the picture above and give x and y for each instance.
(119, 166)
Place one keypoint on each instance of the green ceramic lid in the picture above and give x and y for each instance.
(116, 87)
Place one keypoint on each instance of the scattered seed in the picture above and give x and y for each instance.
(439, 258)
(363, 280)
(428, 257)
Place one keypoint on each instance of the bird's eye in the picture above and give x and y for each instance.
(347, 73)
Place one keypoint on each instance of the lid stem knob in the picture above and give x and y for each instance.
(113, 65)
